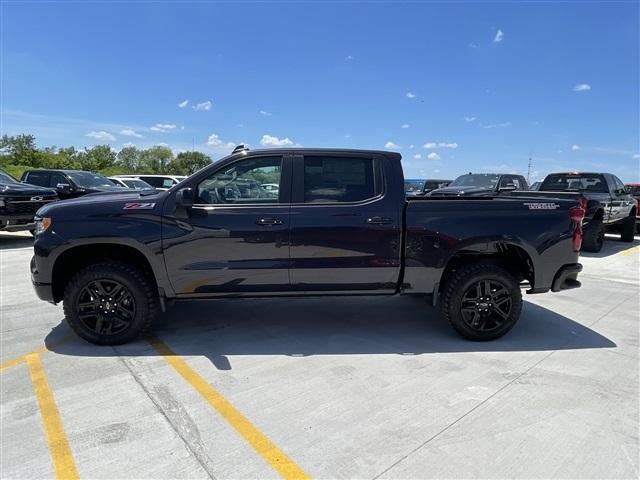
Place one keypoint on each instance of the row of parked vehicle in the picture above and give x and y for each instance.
(610, 204)
(20, 200)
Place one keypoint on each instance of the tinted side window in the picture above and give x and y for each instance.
(338, 179)
(244, 181)
(38, 178)
(56, 178)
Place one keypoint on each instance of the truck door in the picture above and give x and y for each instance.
(621, 201)
(235, 238)
(345, 228)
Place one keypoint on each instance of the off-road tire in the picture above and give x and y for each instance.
(628, 229)
(138, 284)
(593, 236)
(461, 281)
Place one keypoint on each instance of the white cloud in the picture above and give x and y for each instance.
(349, 57)
(183, 104)
(635, 156)
(473, 45)
(499, 36)
(470, 119)
(404, 125)
(582, 87)
(440, 145)
(265, 113)
(575, 147)
(497, 125)
(161, 144)
(128, 144)
(128, 132)
(412, 146)
(390, 144)
(347, 136)
(203, 105)
(433, 156)
(271, 141)
(411, 95)
(214, 141)
(101, 135)
(417, 156)
(162, 127)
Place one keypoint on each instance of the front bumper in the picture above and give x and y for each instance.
(567, 278)
(16, 223)
(44, 291)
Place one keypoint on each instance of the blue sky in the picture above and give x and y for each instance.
(453, 86)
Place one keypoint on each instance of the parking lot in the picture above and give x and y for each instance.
(326, 387)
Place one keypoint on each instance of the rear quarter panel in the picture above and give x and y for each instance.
(437, 229)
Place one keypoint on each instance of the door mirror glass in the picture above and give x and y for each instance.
(185, 197)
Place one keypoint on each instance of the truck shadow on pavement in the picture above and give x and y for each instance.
(302, 327)
(10, 241)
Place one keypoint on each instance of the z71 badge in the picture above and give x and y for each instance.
(138, 206)
(542, 206)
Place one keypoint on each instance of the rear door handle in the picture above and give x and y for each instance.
(267, 222)
(379, 220)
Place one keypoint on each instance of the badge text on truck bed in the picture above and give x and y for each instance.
(542, 206)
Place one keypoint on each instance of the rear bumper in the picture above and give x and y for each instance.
(567, 278)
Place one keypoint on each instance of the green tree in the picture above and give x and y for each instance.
(97, 158)
(20, 149)
(129, 159)
(187, 163)
(155, 159)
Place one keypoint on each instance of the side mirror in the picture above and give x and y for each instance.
(185, 197)
(63, 187)
(627, 189)
(507, 187)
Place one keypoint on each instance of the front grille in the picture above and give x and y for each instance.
(24, 205)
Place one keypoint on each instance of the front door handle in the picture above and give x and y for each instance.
(377, 220)
(267, 222)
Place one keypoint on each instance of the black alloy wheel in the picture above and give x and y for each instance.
(106, 307)
(486, 305)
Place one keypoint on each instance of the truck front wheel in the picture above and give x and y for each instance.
(109, 303)
(482, 301)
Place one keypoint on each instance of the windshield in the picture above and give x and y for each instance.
(486, 180)
(87, 179)
(562, 182)
(135, 183)
(413, 186)
(6, 178)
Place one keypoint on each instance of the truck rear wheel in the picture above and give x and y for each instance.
(628, 229)
(482, 301)
(109, 303)
(593, 237)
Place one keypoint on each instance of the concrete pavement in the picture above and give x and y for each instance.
(343, 387)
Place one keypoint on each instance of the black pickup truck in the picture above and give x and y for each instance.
(340, 225)
(481, 184)
(19, 203)
(609, 205)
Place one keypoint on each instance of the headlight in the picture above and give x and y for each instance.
(42, 224)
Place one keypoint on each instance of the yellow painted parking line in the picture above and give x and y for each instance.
(21, 358)
(258, 440)
(61, 456)
(18, 360)
(631, 250)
